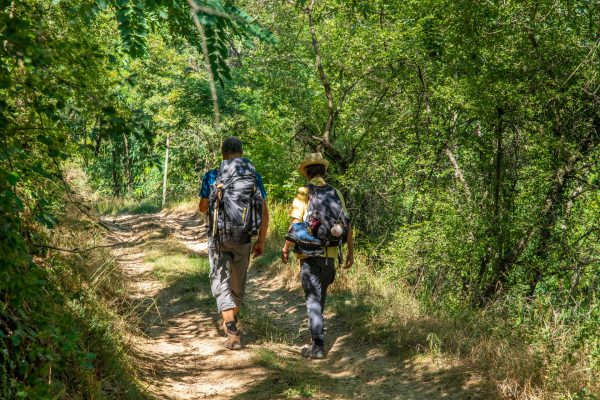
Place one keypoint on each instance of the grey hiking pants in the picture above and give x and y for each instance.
(228, 270)
(316, 274)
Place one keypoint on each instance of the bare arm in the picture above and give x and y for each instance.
(264, 226)
(259, 246)
(286, 246)
(203, 205)
(350, 243)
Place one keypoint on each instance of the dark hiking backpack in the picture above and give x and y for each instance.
(325, 215)
(235, 202)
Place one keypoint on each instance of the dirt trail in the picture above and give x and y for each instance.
(179, 349)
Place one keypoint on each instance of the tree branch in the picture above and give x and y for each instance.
(325, 142)
(211, 11)
(457, 171)
(78, 250)
(194, 8)
(562, 176)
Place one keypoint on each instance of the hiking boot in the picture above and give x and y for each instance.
(233, 342)
(234, 339)
(315, 351)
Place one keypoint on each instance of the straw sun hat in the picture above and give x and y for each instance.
(312, 159)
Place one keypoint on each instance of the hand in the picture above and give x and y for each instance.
(258, 249)
(349, 260)
(285, 256)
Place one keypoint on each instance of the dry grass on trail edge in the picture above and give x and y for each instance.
(93, 286)
(183, 206)
(528, 361)
(118, 206)
(483, 343)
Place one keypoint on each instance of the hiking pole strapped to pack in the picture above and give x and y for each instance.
(216, 209)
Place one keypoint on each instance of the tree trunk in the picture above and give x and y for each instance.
(127, 163)
(540, 226)
(85, 153)
(194, 8)
(495, 252)
(325, 142)
(458, 174)
(115, 173)
(166, 170)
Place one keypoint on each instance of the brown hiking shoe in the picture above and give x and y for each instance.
(234, 339)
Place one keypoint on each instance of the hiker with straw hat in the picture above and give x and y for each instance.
(317, 256)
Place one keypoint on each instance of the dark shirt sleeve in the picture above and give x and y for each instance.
(261, 186)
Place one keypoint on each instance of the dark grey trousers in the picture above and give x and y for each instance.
(228, 271)
(316, 274)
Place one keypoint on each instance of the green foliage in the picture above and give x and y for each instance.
(66, 95)
(465, 139)
(57, 338)
(221, 22)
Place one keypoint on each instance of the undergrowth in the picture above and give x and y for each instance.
(526, 351)
(124, 205)
(60, 331)
(116, 206)
(521, 349)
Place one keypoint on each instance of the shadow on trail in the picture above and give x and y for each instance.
(185, 355)
(355, 368)
(174, 320)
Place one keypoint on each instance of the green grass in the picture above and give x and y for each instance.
(296, 379)
(177, 267)
(169, 268)
(264, 328)
(117, 206)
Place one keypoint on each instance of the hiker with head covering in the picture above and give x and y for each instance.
(320, 225)
(234, 197)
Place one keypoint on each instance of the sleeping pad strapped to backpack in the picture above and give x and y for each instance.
(235, 202)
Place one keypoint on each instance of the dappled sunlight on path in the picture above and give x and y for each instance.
(177, 343)
(179, 349)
